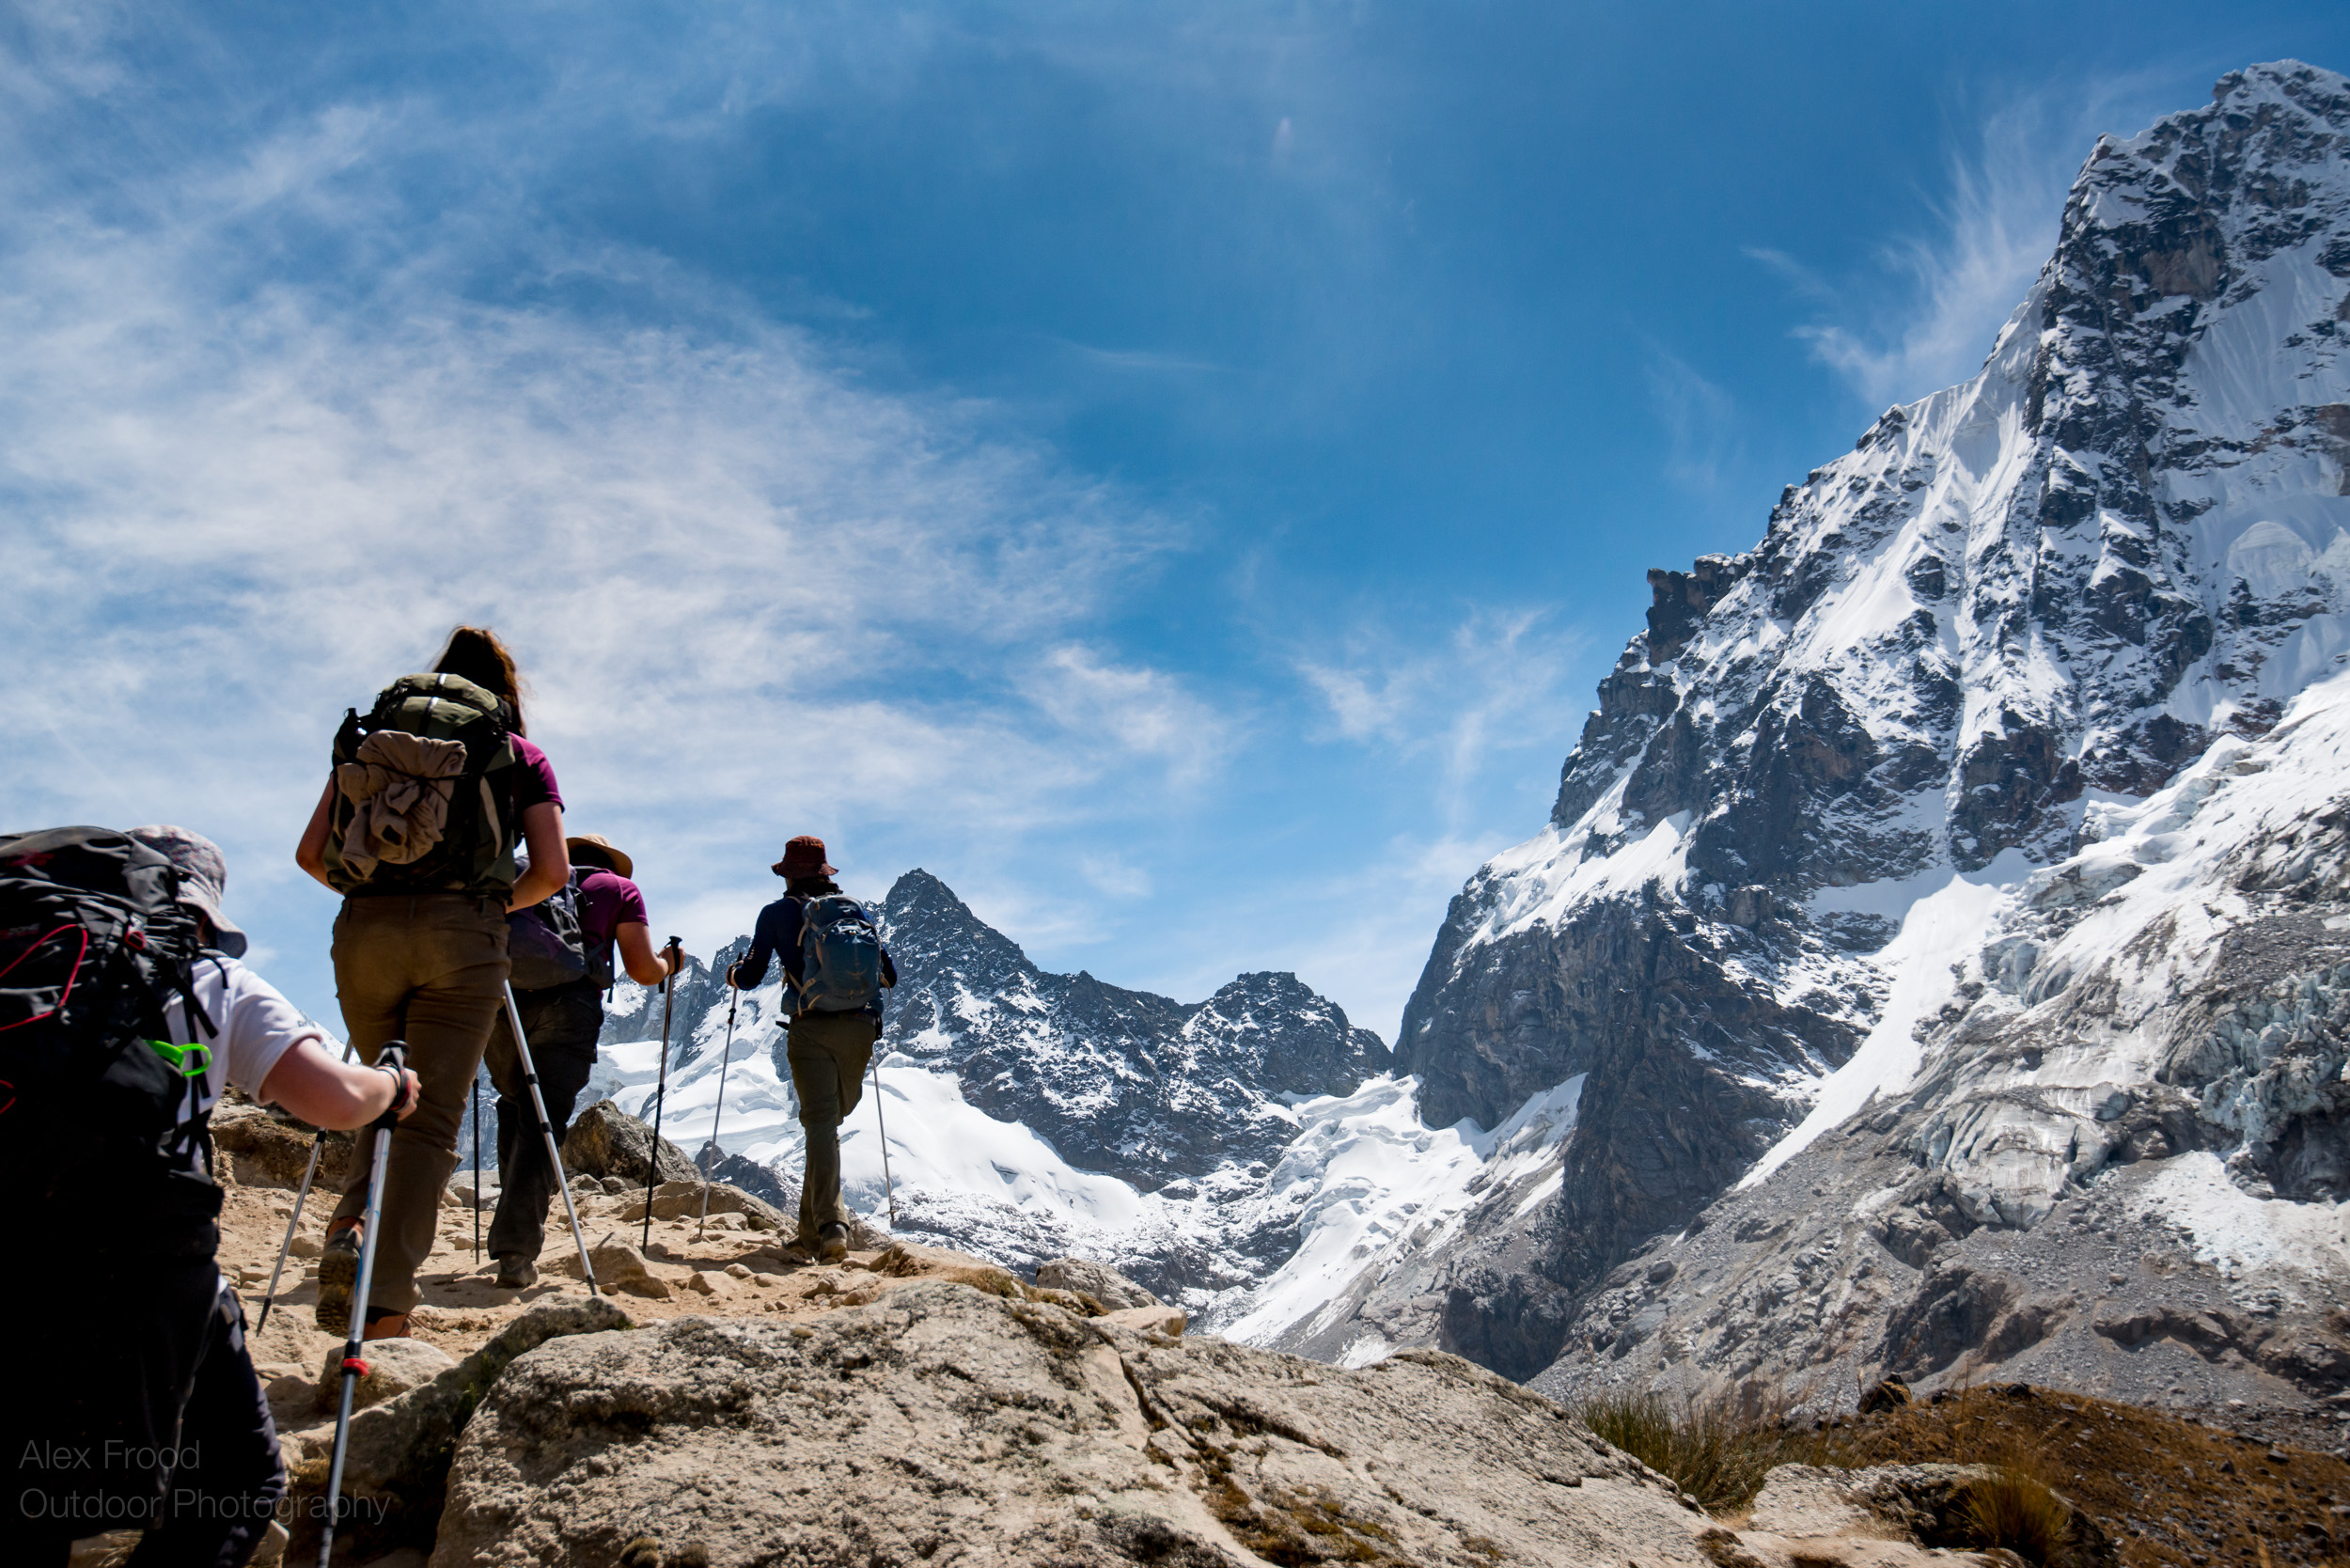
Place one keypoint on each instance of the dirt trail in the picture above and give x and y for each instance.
(462, 1305)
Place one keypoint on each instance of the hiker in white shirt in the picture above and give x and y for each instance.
(218, 1477)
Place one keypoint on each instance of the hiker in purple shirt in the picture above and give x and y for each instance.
(562, 1023)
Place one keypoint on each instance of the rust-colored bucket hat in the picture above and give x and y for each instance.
(803, 857)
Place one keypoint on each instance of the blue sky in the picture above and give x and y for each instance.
(1176, 473)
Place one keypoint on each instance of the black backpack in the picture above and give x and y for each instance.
(548, 946)
(475, 850)
(101, 1112)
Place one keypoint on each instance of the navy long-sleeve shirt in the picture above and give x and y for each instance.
(778, 935)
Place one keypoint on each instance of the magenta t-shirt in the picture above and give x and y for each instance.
(534, 780)
(607, 901)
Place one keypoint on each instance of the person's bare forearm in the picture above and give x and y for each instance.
(325, 1092)
(550, 861)
(533, 886)
(644, 965)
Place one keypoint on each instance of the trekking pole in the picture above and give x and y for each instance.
(394, 1056)
(724, 1062)
(660, 1094)
(546, 1130)
(293, 1220)
(889, 1187)
(476, 1168)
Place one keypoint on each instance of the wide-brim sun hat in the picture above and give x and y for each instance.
(203, 875)
(621, 862)
(803, 857)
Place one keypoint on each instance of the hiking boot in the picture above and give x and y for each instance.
(385, 1323)
(338, 1273)
(516, 1272)
(832, 1242)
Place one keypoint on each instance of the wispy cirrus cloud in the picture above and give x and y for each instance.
(1700, 420)
(1926, 313)
(1468, 701)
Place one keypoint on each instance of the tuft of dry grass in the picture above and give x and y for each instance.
(2013, 1508)
(1716, 1451)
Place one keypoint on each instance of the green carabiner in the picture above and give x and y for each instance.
(186, 1061)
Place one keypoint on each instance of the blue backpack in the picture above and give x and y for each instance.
(841, 955)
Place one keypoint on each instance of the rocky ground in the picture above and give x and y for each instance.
(730, 1403)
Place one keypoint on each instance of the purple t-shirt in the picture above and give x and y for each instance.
(607, 901)
(534, 780)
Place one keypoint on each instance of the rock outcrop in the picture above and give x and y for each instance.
(605, 1140)
(944, 1424)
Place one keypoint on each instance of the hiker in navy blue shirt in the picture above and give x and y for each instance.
(834, 1018)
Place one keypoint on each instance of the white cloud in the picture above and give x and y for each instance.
(1994, 224)
(1700, 420)
(1470, 700)
(1114, 876)
(752, 596)
(1145, 712)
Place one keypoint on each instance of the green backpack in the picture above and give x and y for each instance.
(475, 850)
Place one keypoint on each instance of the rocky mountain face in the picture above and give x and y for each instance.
(1840, 864)
(1136, 1086)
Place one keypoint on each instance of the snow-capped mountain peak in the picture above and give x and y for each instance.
(2014, 609)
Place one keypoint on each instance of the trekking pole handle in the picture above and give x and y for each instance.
(393, 1058)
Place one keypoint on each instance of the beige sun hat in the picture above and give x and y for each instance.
(606, 847)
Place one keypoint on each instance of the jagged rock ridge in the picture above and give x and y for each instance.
(1139, 1086)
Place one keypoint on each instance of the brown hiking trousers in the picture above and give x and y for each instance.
(429, 969)
(828, 1057)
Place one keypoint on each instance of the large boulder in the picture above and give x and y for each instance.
(397, 1457)
(394, 1366)
(605, 1140)
(761, 1181)
(944, 1423)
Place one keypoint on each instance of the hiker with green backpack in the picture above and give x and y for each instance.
(125, 1015)
(835, 970)
(431, 795)
(563, 951)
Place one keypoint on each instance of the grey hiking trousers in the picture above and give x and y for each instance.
(828, 1055)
